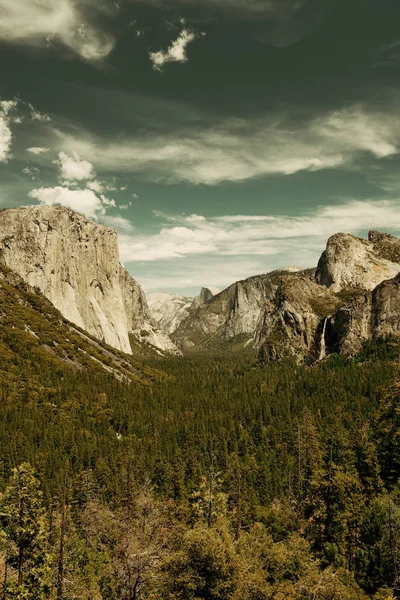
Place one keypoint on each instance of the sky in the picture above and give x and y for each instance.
(221, 138)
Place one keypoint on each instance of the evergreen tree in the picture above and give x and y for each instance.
(22, 518)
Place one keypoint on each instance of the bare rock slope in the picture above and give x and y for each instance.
(74, 262)
(352, 262)
(169, 310)
(353, 296)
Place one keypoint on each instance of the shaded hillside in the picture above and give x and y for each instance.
(33, 332)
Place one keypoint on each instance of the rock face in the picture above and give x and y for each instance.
(352, 297)
(169, 310)
(74, 262)
(140, 320)
(205, 295)
(232, 314)
(294, 326)
(351, 262)
(369, 316)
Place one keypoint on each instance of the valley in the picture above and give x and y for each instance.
(245, 448)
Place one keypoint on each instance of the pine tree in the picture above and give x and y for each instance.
(22, 518)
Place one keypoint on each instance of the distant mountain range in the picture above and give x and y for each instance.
(351, 297)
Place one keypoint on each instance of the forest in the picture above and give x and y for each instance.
(216, 479)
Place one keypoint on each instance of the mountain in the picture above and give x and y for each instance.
(33, 332)
(370, 315)
(350, 298)
(351, 262)
(169, 310)
(232, 313)
(206, 293)
(74, 262)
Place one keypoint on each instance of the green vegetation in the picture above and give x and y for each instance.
(196, 478)
(32, 330)
(221, 479)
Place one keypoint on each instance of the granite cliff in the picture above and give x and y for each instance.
(74, 262)
(169, 310)
(351, 262)
(352, 297)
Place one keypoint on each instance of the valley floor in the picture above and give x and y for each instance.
(216, 479)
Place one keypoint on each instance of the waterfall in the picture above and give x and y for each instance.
(322, 352)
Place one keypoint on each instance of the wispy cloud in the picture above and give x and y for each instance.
(32, 172)
(36, 115)
(236, 150)
(176, 52)
(388, 55)
(278, 22)
(263, 235)
(44, 22)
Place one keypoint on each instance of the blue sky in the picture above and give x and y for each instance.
(221, 138)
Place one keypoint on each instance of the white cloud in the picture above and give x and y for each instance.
(265, 235)
(107, 201)
(74, 168)
(176, 51)
(117, 222)
(237, 150)
(38, 150)
(83, 201)
(36, 115)
(32, 172)
(96, 186)
(43, 22)
(6, 137)
(125, 206)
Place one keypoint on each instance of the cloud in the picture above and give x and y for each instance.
(176, 51)
(117, 222)
(263, 235)
(74, 168)
(38, 150)
(6, 109)
(237, 150)
(83, 201)
(32, 172)
(277, 22)
(96, 186)
(43, 22)
(389, 55)
(37, 115)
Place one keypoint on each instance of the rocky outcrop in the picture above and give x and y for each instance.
(293, 322)
(74, 262)
(368, 316)
(351, 262)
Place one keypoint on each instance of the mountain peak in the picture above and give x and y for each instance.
(352, 262)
